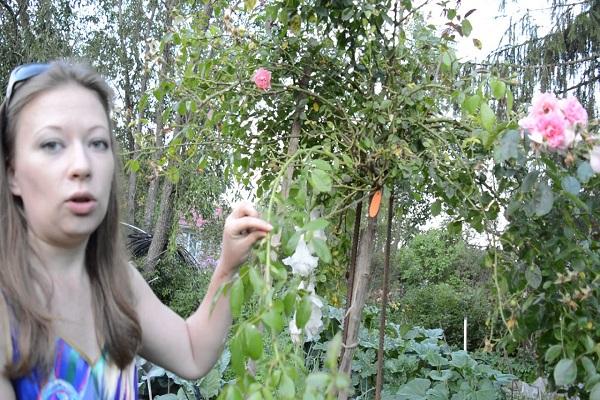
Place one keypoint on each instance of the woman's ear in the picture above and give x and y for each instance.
(12, 181)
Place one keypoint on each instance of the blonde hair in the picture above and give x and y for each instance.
(106, 259)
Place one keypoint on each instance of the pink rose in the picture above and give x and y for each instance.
(553, 129)
(262, 79)
(574, 111)
(543, 103)
(595, 159)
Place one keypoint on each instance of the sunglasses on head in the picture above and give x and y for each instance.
(21, 74)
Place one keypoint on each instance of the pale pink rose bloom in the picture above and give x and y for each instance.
(595, 159)
(543, 103)
(552, 127)
(573, 111)
(262, 79)
(529, 126)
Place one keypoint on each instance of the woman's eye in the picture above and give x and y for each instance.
(52, 146)
(100, 144)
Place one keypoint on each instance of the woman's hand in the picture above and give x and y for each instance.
(243, 228)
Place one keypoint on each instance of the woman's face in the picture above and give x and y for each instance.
(63, 164)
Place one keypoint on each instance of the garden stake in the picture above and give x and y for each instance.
(384, 300)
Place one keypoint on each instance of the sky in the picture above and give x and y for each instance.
(490, 24)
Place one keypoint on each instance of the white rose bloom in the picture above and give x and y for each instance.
(302, 262)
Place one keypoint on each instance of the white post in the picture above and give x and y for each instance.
(465, 335)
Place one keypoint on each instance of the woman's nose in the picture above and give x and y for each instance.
(80, 163)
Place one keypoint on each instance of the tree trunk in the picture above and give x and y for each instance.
(132, 184)
(159, 133)
(162, 227)
(359, 294)
(384, 300)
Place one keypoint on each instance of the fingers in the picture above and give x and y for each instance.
(244, 209)
(247, 225)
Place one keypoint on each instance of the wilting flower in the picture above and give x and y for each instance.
(302, 262)
(262, 79)
(314, 324)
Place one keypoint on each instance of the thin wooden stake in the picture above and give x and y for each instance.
(351, 269)
(384, 300)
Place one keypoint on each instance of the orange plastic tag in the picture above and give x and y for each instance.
(375, 203)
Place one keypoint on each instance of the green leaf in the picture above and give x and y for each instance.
(571, 185)
(488, 118)
(237, 297)
(316, 225)
(303, 312)
(238, 357)
(321, 164)
(253, 342)
(533, 275)
(321, 249)
(334, 347)
(274, 318)
(510, 100)
(233, 393)
(287, 389)
(588, 365)
(436, 208)
(565, 372)
(289, 301)
(249, 4)
(584, 172)
(471, 104)
(543, 199)
(347, 13)
(320, 181)
(414, 390)
(467, 28)
(595, 393)
(256, 280)
(498, 88)
(451, 13)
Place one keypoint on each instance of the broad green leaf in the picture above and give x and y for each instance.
(471, 104)
(508, 148)
(553, 353)
(233, 393)
(249, 4)
(321, 164)
(256, 280)
(303, 312)
(414, 390)
(488, 118)
(317, 379)
(584, 172)
(595, 392)
(451, 13)
(435, 360)
(287, 389)
(588, 365)
(316, 225)
(498, 88)
(295, 23)
(321, 249)
(533, 275)
(436, 208)
(274, 320)
(543, 199)
(571, 185)
(168, 396)
(253, 342)
(529, 182)
(238, 359)
(510, 100)
(237, 297)
(289, 301)
(438, 392)
(565, 372)
(320, 180)
(443, 375)
(210, 384)
(347, 13)
(333, 351)
(467, 28)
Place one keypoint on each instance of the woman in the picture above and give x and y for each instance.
(74, 312)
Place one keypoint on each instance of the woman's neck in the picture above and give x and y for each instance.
(64, 263)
